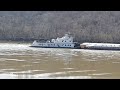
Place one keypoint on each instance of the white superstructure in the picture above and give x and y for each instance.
(64, 42)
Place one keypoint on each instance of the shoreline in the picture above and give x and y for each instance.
(15, 41)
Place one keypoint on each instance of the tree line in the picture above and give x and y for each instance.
(85, 26)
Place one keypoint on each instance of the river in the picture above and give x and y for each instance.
(19, 61)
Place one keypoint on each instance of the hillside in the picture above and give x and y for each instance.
(85, 26)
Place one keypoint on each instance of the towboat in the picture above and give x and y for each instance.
(64, 42)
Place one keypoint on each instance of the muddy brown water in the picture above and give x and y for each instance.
(19, 61)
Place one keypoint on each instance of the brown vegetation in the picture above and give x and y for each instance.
(85, 26)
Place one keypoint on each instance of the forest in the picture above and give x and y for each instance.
(85, 26)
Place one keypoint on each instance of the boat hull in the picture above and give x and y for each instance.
(54, 47)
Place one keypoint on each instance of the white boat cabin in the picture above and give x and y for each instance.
(64, 42)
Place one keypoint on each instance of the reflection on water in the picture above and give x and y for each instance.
(19, 61)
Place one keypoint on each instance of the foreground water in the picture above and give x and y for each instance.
(19, 61)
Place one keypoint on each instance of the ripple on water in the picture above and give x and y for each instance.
(7, 59)
(13, 76)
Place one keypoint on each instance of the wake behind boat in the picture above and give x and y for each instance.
(65, 42)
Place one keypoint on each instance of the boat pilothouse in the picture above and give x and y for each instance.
(65, 42)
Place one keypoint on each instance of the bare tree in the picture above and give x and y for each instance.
(85, 26)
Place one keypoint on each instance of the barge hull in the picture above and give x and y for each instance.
(100, 46)
(101, 49)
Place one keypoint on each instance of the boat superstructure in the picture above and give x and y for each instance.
(64, 42)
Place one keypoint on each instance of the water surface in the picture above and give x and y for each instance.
(19, 61)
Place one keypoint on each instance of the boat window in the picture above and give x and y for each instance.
(65, 45)
(70, 45)
(65, 41)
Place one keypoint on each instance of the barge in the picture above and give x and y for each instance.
(100, 46)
